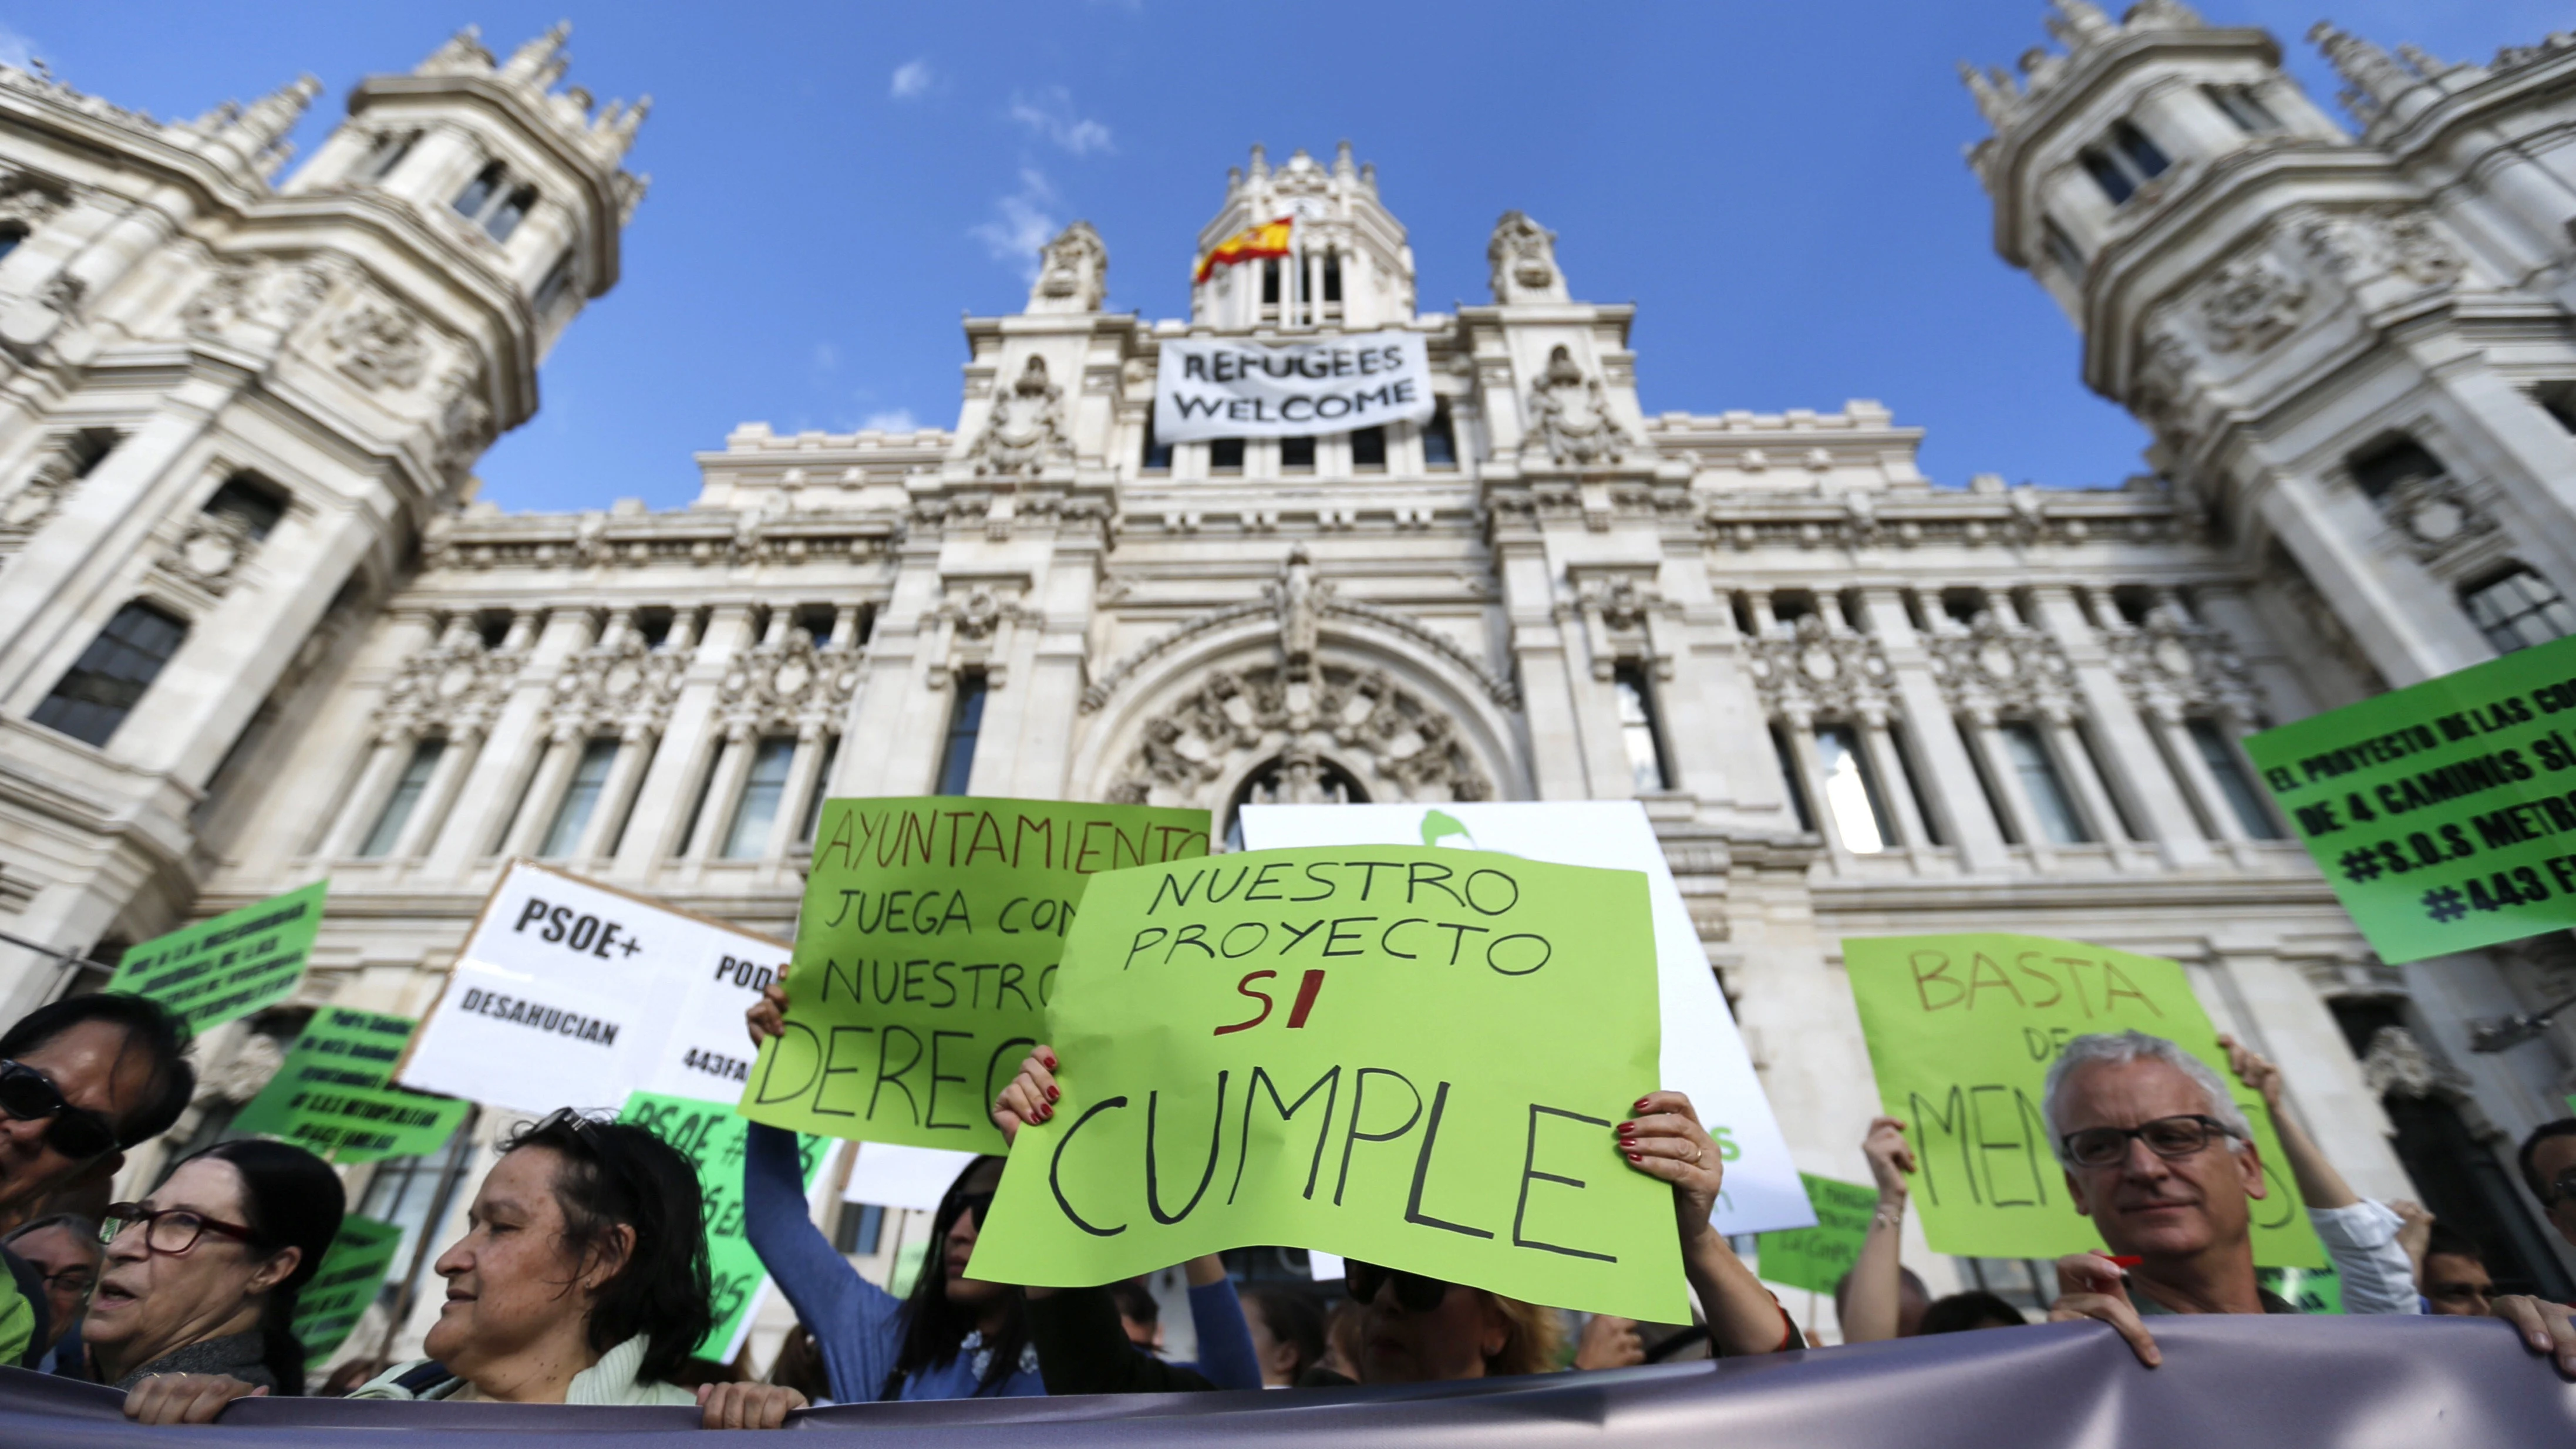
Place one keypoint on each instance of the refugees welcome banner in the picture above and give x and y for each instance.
(1410, 1056)
(1210, 387)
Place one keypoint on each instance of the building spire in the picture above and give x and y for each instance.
(463, 54)
(2079, 23)
(2376, 79)
(541, 57)
(267, 120)
(1995, 91)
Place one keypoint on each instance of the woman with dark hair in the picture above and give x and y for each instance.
(581, 1279)
(1287, 1325)
(195, 1306)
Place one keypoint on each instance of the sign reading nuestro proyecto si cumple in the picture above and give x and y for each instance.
(1213, 387)
(2444, 813)
(926, 952)
(1411, 1056)
(571, 994)
(220, 970)
(711, 1136)
(1962, 1030)
(330, 1097)
(332, 1301)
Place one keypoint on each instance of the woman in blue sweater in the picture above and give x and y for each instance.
(956, 1337)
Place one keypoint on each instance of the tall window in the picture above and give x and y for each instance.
(1296, 455)
(2243, 106)
(2128, 161)
(965, 725)
(257, 504)
(478, 193)
(822, 787)
(1158, 454)
(2392, 466)
(1796, 788)
(1639, 730)
(580, 799)
(2518, 609)
(398, 807)
(2224, 767)
(1270, 282)
(2041, 784)
(762, 791)
(390, 150)
(514, 208)
(1368, 450)
(10, 236)
(2062, 250)
(107, 681)
(557, 285)
(1440, 438)
(1225, 455)
(1851, 791)
(413, 1194)
(1332, 276)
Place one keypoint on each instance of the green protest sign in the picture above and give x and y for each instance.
(925, 954)
(711, 1135)
(1962, 1029)
(1817, 1258)
(2310, 1290)
(329, 1095)
(239, 962)
(2443, 813)
(1411, 1056)
(340, 1290)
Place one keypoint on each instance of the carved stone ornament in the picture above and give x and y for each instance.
(2253, 303)
(30, 202)
(1522, 256)
(2418, 247)
(36, 501)
(2436, 514)
(464, 422)
(379, 345)
(617, 689)
(1392, 741)
(1997, 667)
(1025, 430)
(455, 686)
(2172, 667)
(2404, 240)
(2398, 1064)
(208, 553)
(1820, 673)
(1073, 272)
(789, 686)
(255, 293)
(1569, 415)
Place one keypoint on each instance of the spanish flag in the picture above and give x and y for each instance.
(1270, 239)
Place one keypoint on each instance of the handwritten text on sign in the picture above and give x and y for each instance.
(926, 953)
(1962, 1030)
(1410, 1056)
(2444, 813)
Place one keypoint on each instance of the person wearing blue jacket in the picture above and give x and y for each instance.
(955, 1337)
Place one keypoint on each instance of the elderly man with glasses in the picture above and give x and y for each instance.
(2158, 1154)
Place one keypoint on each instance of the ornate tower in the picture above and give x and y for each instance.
(1352, 268)
(228, 411)
(2354, 351)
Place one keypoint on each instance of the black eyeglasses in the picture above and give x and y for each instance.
(2171, 1138)
(169, 1231)
(1418, 1294)
(76, 1132)
(969, 1204)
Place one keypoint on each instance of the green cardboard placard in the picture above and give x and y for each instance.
(1962, 1029)
(330, 1094)
(1412, 1056)
(2444, 813)
(340, 1290)
(1817, 1258)
(2310, 1290)
(240, 962)
(925, 954)
(711, 1135)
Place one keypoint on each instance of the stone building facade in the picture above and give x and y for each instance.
(1852, 701)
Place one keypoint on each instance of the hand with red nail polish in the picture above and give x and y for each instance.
(1030, 1097)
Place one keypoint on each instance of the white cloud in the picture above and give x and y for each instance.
(1050, 114)
(898, 420)
(826, 356)
(1026, 223)
(912, 78)
(15, 49)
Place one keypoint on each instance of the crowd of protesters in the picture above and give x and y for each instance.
(582, 1276)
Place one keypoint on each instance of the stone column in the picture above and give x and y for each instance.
(662, 801)
(1951, 783)
(1893, 783)
(2179, 747)
(801, 776)
(724, 789)
(1800, 726)
(634, 752)
(503, 766)
(545, 790)
(2075, 762)
(445, 777)
(2407, 623)
(1983, 735)
(2128, 752)
(375, 780)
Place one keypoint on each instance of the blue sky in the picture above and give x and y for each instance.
(1778, 187)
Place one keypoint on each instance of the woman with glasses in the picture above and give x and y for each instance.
(581, 1279)
(1418, 1329)
(195, 1303)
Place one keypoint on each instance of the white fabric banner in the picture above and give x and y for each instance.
(571, 994)
(1702, 1054)
(1213, 387)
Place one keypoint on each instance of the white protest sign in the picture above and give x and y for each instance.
(887, 1174)
(1214, 387)
(1702, 1054)
(571, 994)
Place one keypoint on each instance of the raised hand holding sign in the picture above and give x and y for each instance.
(1417, 1057)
